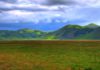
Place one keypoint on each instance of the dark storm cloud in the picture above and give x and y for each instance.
(26, 9)
(47, 2)
(34, 9)
(21, 9)
(9, 1)
(60, 2)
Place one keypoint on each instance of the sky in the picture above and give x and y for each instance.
(47, 15)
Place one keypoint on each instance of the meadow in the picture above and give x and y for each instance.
(50, 55)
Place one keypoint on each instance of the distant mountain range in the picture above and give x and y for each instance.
(68, 32)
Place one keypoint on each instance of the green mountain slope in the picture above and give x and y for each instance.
(92, 25)
(21, 34)
(72, 32)
(94, 35)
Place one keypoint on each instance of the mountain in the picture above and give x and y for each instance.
(21, 34)
(92, 25)
(94, 35)
(68, 32)
(77, 32)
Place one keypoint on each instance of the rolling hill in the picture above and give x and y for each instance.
(25, 34)
(68, 32)
(90, 31)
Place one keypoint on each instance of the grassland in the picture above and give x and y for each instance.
(50, 55)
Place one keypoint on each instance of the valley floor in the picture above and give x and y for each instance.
(50, 55)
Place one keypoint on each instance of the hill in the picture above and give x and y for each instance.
(25, 34)
(68, 32)
(77, 32)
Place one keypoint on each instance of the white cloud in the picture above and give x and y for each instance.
(89, 3)
(36, 10)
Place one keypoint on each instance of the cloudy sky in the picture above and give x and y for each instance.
(47, 14)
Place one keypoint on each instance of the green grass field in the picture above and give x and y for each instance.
(50, 55)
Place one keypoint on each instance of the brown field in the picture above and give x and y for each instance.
(49, 42)
(50, 55)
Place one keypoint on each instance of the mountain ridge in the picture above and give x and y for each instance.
(73, 32)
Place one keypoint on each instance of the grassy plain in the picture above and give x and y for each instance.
(50, 55)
